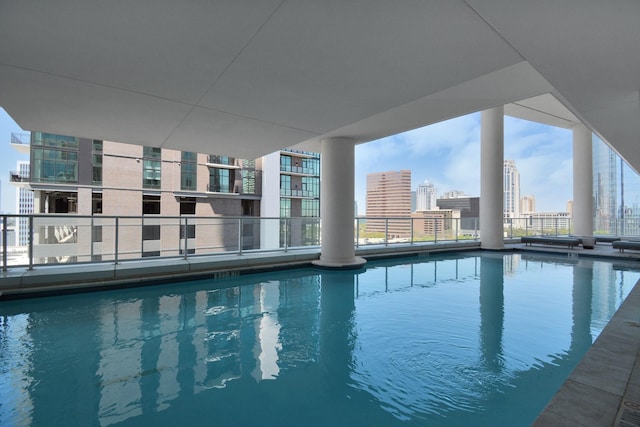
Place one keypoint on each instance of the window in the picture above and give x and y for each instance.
(188, 171)
(310, 186)
(54, 165)
(191, 231)
(151, 232)
(221, 160)
(249, 181)
(96, 162)
(150, 254)
(311, 166)
(187, 206)
(150, 205)
(96, 203)
(285, 185)
(285, 208)
(248, 207)
(220, 180)
(151, 167)
(60, 202)
(189, 251)
(285, 163)
(96, 233)
(310, 207)
(53, 140)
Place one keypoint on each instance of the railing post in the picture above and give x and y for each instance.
(31, 242)
(240, 236)
(511, 228)
(475, 229)
(435, 230)
(286, 234)
(4, 243)
(411, 219)
(91, 238)
(457, 222)
(186, 238)
(386, 231)
(115, 243)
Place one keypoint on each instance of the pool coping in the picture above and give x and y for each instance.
(49, 280)
(604, 388)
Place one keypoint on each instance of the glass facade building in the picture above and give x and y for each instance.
(616, 192)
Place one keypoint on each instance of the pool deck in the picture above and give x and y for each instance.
(603, 390)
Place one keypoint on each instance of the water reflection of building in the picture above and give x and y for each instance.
(153, 354)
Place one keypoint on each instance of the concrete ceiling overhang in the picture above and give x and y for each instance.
(248, 77)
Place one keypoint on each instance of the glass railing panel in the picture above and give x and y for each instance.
(214, 235)
(61, 239)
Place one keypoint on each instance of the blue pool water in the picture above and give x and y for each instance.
(469, 339)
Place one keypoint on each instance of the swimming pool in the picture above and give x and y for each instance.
(474, 338)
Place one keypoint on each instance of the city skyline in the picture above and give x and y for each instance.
(447, 154)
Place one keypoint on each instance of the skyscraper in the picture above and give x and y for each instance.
(616, 192)
(24, 204)
(511, 190)
(527, 204)
(389, 195)
(426, 196)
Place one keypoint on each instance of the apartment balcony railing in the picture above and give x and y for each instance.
(298, 193)
(298, 170)
(56, 239)
(221, 160)
(15, 176)
(20, 138)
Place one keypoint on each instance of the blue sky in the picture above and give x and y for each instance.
(8, 161)
(447, 154)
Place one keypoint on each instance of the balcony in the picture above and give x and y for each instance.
(21, 142)
(16, 177)
(222, 161)
(298, 170)
(299, 194)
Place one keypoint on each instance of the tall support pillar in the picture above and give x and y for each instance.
(336, 205)
(491, 179)
(582, 181)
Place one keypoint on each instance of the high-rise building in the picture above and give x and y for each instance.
(389, 195)
(70, 175)
(454, 194)
(616, 192)
(24, 204)
(527, 204)
(291, 188)
(426, 196)
(511, 190)
(469, 208)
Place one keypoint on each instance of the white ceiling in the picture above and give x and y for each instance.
(248, 77)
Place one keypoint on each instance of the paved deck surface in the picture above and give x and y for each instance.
(603, 390)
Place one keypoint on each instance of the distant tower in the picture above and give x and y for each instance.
(527, 204)
(24, 205)
(389, 195)
(511, 190)
(426, 196)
